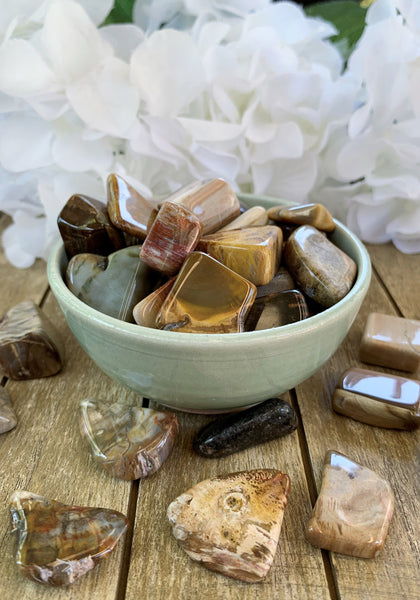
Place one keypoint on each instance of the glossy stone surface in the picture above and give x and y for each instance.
(213, 202)
(206, 297)
(232, 433)
(172, 237)
(392, 342)
(146, 311)
(253, 253)
(112, 285)
(85, 226)
(253, 217)
(304, 214)
(281, 282)
(277, 310)
(378, 399)
(353, 509)
(7, 415)
(127, 209)
(322, 271)
(231, 523)
(57, 543)
(127, 440)
(30, 346)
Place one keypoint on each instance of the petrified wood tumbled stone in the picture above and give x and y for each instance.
(231, 523)
(353, 509)
(7, 415)
(267, 421)
(127, 209)
(30, 346)
(379, 399)
(127, 440)
(276, 310)
(146, 311)
(172, 237)
(303, 214)
(114, 284)
(85, 226)
(253, 253)
(206, 297)
(57, 543)
(321, 269)
(213, 202)
(253, 217)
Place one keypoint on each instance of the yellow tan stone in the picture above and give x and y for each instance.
(304, 214)
(253, 217)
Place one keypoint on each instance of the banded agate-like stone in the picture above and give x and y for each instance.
(213, 202)
(303, 214)
(254, 253)
(173, 235)
(231, 523)
(391, 341)
(146, 311)
(127, 209)
(7, 415)
(30, 346)
(353, 509)
(85, 226)
(127, 440)
(276, 310)
(253, 217)
(378, 399)
(206, 297)
(321, 269)
(57, 543)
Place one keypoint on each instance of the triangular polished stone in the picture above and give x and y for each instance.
(127, 209)
(114, 284)
(254, 252)
(7, 415)
(303, 214)
(127, 440)
(231, 523)
(57, 543)
(206, 297)
(353, 509)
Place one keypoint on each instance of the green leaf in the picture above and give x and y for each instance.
(346, 16)
(121, 13)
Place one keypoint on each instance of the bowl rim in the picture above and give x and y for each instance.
(181, 339)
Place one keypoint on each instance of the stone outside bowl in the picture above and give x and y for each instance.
(213, 372)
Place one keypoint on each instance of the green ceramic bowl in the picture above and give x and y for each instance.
(213, 372)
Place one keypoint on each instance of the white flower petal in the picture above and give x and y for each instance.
(71, 41)
(167, 70)
(23, 72)
(25, 142)
(73, 153)
(380, 10)
(105, 100)
(23, 241)
(97, 10)
(210, 131)
(294, 178)
(151, 15)
(370, 222)
(124, 38)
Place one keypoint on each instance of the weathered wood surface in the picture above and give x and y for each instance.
(46, 454)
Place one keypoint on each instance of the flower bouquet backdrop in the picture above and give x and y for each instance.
(275, 100)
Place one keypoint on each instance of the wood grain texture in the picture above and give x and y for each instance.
(391, 454)
(297, 572)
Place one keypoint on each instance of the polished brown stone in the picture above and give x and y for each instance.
(30, 346)
(85, 226)
(114, 284)
(254, 253)
(7, 415)
(353, 509)
(127, 440)
(253, 217)
(146, 311)
(213, 202)
(277, 310)
(303, 214)
(127, 209)
(57, 543)
(390, 341)
(231, 524)
(378, 399)
(321, 270)
(281, 282)
(172, 237)
(206, 297)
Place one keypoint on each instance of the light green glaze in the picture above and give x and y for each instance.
(213, 372)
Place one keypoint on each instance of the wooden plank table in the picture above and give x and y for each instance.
(46, 455)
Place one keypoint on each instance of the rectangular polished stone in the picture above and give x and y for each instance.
(378, 399)
(390, 341)
(206, 297)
